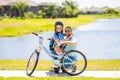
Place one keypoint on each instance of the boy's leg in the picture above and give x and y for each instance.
(56, 68)
(54, 53)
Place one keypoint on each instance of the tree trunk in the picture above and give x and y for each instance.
(20, 13)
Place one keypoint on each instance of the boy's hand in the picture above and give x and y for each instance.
(56, 40)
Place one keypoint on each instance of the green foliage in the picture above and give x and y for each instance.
(70, 9)
(1, 11)
(52, 11)
(41, 14)
(1, 8)
(20, 6)
(1, 18)
(29, 15)
(112, 11)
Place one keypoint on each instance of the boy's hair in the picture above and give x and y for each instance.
(59, 23)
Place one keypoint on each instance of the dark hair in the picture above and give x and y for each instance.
(59, 23)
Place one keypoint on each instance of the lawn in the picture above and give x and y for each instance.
(18, 27)
(47, 64)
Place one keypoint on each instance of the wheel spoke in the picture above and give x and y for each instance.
(32, 63)
(74, 62)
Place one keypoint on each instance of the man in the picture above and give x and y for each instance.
(71, 42)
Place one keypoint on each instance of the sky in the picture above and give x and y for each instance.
(88, 3)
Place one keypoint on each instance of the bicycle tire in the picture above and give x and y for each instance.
(36, 54)
(84, 60)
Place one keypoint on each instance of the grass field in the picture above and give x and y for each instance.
(18, 27)
(47, 64)
(57, 78)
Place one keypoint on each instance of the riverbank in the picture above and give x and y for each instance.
(18, 27)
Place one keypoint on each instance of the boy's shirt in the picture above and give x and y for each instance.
(59, 36)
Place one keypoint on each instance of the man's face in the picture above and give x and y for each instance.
(68, 32)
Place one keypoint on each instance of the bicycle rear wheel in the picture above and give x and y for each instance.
(74, 62)
(32, 63)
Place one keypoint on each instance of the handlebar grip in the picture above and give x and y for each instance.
(35, 33)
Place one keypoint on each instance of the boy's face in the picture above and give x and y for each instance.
(68, 32)
(58, 28)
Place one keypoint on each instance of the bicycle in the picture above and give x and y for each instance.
(73, 62)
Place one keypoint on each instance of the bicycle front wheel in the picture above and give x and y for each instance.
(32, 63)
(74, 62)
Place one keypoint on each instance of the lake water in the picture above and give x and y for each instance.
(97, 40)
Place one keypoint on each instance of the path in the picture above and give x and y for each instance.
(17, 73)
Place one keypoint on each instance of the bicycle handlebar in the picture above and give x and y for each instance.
(41, 36)
(35, 33)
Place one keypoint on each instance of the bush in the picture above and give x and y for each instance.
(1, 18)
(41, 14)
(112, 11)
(29, 15)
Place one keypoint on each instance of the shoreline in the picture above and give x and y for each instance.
(19, 27)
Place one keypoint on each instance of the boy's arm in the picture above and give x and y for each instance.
(55, 37)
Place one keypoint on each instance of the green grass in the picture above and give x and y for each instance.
(47, 64)
(18, 27)
(103, 65)
(57, 78)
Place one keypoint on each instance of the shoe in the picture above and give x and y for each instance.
(74, 67)
(62, 70)
(56, 70)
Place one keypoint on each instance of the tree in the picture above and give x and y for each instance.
(1, 9)
(29, 15)
(41, 14)
(70, 9)
(20, 6)
(52, 11)
(112, 11)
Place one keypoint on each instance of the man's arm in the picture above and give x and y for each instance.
(72, 43)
